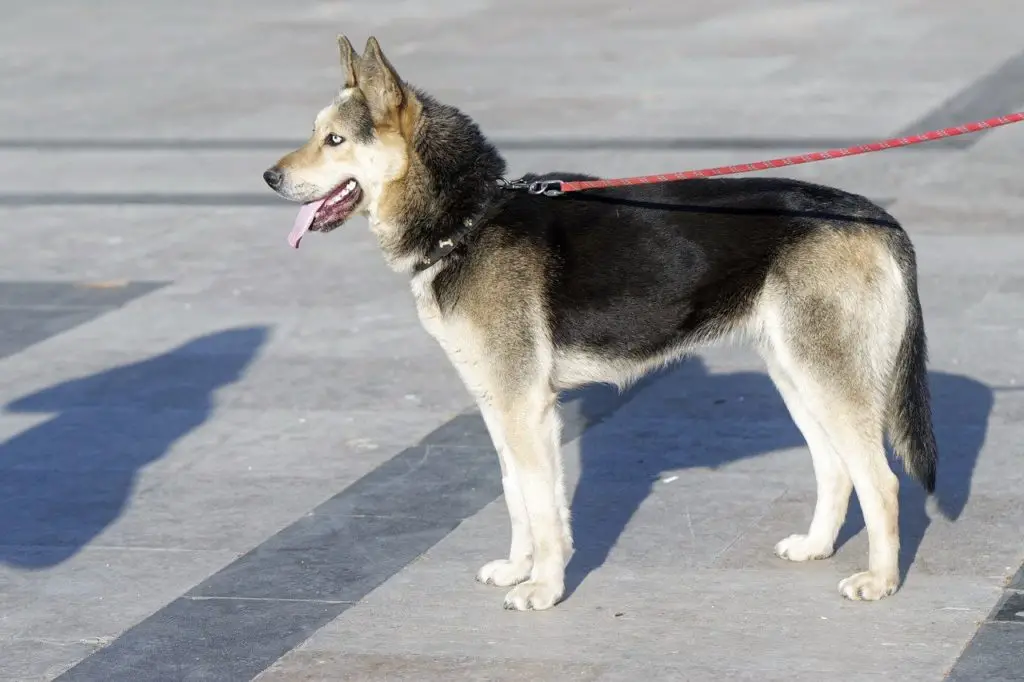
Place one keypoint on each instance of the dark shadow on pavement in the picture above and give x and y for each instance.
(961, 409)
(64, 481)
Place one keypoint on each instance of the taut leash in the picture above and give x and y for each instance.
(554, 188)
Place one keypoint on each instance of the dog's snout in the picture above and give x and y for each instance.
(274, 177)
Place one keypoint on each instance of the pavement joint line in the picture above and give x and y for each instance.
(269, 599)
(45, 307)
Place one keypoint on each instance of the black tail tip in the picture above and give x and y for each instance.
(927, 479)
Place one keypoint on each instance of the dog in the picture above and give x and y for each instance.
(531, 295)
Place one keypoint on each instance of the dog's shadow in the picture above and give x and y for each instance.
(961, 408)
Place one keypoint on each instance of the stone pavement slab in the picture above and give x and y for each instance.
(223, 460)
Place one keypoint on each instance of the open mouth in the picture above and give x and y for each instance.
(323, 215)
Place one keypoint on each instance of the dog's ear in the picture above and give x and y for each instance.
(379, 82)
(348, 61)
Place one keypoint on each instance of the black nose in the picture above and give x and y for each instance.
(273, 177)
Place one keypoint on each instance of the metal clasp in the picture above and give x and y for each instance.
(549, 188)
(512, 184)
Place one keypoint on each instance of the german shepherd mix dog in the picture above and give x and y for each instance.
(530, 295)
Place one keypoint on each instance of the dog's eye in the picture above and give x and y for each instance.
(333, 140)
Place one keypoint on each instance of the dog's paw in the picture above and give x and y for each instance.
(533, 595)
(867, 586)
(504, 573)
(801, 548)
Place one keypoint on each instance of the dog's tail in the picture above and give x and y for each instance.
(908, 412)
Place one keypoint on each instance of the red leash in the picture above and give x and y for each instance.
(556, 187)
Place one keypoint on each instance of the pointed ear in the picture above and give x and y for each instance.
(348, 61)
(379, 82)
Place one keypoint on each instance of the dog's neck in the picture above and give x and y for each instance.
(449, 189)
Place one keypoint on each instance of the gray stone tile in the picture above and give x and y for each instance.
(285, 443)
(214, 512)
(300, 666)
(996, 654)
(50, 294)
(318, 444)
(72, 439)
(1011, 609)
(316, 329)
(184, 377)
(687, 523)
(33, 660)
(164, 649)
(242, 381)
(66, 511)
(351, 543)
(645, 449)
(61, 511)
(655, 672)
(22, 327)
(1017, 582)
(982, 549)
(32, 311)
(709, 620)
(96, 594)
(353, 384)
(358, 555)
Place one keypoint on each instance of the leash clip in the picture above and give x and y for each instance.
(549, 188)
(512, 184)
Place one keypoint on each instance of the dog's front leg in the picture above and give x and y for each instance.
(515, 569)
(530, 428)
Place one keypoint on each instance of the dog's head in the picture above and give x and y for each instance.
(359, 145)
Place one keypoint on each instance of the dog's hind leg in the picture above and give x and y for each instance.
(841, 416)
(833, 480)
(856, 429)
(832, 318)
(515, 569)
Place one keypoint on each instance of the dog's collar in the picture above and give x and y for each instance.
(443, 247)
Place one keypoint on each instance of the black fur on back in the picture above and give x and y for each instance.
(634, 271)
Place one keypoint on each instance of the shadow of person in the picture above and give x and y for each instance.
(66, 479)
(613, 484)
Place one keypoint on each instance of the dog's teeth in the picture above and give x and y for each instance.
(345, 191)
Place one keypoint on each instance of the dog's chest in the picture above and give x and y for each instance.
(461, 341)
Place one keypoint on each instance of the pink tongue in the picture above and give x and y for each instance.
(303, 221)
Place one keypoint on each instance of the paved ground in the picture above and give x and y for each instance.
(221, 459)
